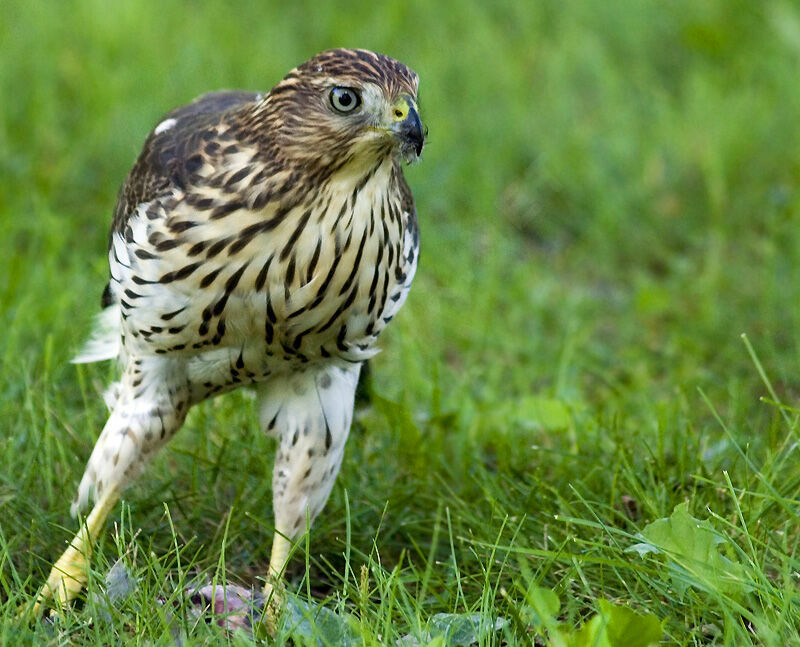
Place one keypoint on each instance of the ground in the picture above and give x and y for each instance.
(608, 202)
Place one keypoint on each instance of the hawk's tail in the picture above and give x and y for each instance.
(104, 341)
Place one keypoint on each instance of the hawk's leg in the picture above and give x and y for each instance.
(310, 413)
(68, 575)
(152, 404)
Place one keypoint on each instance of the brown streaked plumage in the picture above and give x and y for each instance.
(259, 239)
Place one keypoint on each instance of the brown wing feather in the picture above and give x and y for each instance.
(161, 164)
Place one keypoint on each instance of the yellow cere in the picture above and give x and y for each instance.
(401, 107)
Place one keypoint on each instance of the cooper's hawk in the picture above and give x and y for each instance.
(259, 239)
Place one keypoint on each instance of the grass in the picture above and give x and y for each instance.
(609, 200)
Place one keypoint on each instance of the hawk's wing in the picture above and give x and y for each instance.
(161, 165)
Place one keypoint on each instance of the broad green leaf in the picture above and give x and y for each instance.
(455, 630)
(530, 413)
(460, 630)
(312, 624)
(691, 549)
(548, 414)
(617, 626)
(543, 604)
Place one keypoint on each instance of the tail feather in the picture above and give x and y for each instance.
(104, 341)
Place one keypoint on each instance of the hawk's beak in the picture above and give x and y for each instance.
(407, 127)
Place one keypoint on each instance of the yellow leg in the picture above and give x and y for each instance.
(272, 587)
(68, 575)
(277, 562)
(279, 556)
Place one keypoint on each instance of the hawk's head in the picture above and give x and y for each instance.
(346, 106)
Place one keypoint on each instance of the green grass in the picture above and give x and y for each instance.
(609, 200)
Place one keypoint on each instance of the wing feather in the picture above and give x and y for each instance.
(161, 165)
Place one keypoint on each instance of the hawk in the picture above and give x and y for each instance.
(263, 240)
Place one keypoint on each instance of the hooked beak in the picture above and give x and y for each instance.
(408, 129)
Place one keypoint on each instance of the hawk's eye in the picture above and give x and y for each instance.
(345, 99)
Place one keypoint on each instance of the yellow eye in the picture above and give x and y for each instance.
(345, 99)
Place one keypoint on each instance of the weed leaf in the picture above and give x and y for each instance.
(455, 630)
(614, 626)
(691, 549)
(312, 624)
(544, 605)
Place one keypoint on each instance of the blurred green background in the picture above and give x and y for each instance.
(639, 159)
(608, 200)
